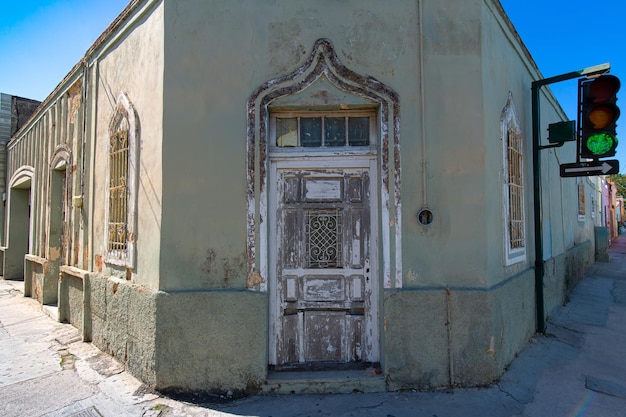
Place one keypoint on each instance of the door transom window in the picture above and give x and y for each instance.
(323, 129)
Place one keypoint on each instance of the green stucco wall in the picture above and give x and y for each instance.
(131, 63)
(206, 99)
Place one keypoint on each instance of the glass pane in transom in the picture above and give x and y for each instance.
(335, 131)
(311, 131)
(358, 131)
(287, 132)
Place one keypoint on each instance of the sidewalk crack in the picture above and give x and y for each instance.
(508, 394)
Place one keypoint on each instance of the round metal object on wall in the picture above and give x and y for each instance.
(425, 217)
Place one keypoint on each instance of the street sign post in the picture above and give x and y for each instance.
(585, 169)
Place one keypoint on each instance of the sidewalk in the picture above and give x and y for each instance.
(577, 369)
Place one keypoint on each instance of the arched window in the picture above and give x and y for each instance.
(122, 188)
(514, 212)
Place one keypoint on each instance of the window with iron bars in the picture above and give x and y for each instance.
(516, 189)
(581, 199)
(121, 199)
(118, 193)
(513, 185)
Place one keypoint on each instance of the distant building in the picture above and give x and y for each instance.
(619, 212)
(231, 195)
(611, 212)
(14, 112)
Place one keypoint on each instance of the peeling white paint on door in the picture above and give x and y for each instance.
(323, 290)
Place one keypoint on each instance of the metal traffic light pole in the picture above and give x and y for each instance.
(539, 267)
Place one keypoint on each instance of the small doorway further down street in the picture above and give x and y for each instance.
(18, 227)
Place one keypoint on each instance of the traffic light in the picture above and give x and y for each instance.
(597, 116)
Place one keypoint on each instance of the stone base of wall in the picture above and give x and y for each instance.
(455, 336)
(208, 341)
(74, 299)
(217, 341)
(212, 341)
(123, 324)
(41, 278)
(602, 241)
(562, 273)
(466, 337)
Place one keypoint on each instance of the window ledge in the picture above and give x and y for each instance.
(73, 271)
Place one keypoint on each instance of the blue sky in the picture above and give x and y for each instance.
(559, 34)
(41, 40)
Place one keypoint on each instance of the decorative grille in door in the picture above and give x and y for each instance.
(323, 235)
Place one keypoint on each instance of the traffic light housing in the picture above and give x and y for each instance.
(597, 115)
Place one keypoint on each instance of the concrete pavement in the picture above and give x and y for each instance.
(577, 369)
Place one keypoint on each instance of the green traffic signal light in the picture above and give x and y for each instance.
(600, 144)
(597, 116)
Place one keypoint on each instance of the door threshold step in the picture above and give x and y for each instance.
(324, 382)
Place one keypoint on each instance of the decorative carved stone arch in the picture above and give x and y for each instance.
(21, 176)
(125, 118)
(323, 62)
(508, 117)
(62, 156)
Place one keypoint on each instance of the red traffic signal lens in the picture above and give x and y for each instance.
(603, 88)
(603, 115)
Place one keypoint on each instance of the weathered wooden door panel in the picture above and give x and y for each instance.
(323, 285)
(323, 331)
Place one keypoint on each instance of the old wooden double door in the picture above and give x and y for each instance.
(323, 282)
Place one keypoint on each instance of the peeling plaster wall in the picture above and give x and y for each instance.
(55, 129)
(432, 341)
(34, 277)
(132, 62)
(503, 321)
(57, 124)
(204, 209)
(122, 301)
(512, 322)
(508, 68)
(445, 160)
